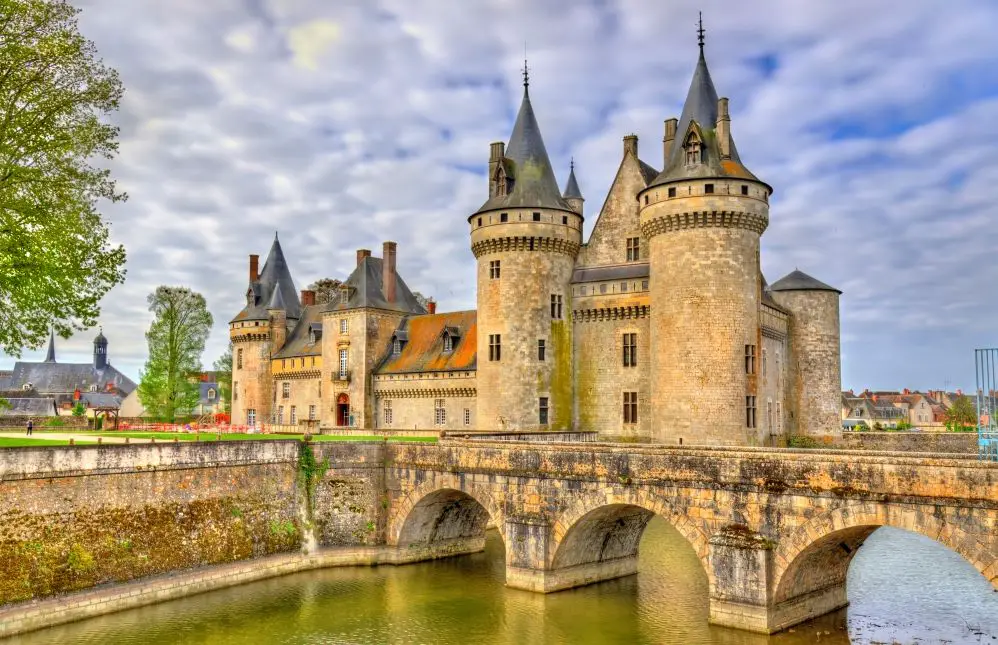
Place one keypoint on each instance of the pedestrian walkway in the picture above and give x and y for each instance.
(77, 437)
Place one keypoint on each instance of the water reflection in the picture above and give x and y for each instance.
(903, 588)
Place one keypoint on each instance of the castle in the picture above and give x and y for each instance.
(660, 328)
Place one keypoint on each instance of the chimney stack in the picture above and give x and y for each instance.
(431, 307)
(307, 297)
(723, 128)
(254, 268)
(667, 140)
(361, 254)
(631, 145)
(388, 270)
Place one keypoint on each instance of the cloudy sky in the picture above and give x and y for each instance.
(342, 124)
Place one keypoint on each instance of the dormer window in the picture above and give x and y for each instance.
(27, 386)
(448, 343)
(211, 394)
(396, 347)
(694, 149)
(311, 337)
(500, 181)
(93, 388)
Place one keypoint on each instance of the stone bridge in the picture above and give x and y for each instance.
(775, 530)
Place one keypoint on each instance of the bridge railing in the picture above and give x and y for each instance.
(986, 367)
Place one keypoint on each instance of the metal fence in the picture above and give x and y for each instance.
(986, 363)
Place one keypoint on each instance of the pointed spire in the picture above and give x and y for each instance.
(700, 32)
(276, 277)
(526, 72)
(276, 300)
(572, 185)
(50, 357)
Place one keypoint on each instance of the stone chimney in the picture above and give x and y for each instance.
(670, 136)
(307, 297)
(431, 307)
(631, 145)
(361, 254)
(388, 270)
(723, 128)
(254, 268)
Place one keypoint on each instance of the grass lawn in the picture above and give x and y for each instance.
(17, 442)
(211, 436)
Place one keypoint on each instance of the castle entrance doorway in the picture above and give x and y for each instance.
(343, 410)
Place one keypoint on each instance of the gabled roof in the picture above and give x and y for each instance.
(534, 184)
(800, 281)
(367, 290)
(275, 276)
(297, 343)
(700, 111)
(54, 378)
(101, 400)
(423, 350)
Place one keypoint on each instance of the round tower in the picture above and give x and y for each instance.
(525, 239)
(703, 216)
(100, 351)
(815, 368)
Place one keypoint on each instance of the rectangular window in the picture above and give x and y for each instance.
(564, 219)
(750, 359)
(672, 192)
(503, 217)
(388, 412)
(630, 350)
(644, 285)
(633, 249)
(495, 347)
(344, 325)
(537, 217)
(283, 365)
(750, 411)
(251, 417)
(467, 416)
(448, 343)
(344, 356)
(630, 407)
(285, 390)
(556, 303)
(396, 346)
(239, 358)
(280, 415)
(494, 268)
(542, 411)
(439, 412)
(540, 349)
(294, 415)
(744, 189)
(708, 189)
(623, 287)
(311, 413)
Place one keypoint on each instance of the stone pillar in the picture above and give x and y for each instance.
(527, 540)
(741, 568)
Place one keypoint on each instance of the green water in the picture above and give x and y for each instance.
(903, 588)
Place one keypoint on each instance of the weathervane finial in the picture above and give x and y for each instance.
(700, 33)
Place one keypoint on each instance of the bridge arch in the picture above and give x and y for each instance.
(443, 509)
(607, 526)
(816, 555)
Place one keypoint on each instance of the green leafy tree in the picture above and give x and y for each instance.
(223, 373)
(56, 260)
(961, 416)
(79, 409)
(168, 385)
(326, 290)
(4, 404)
(422, 300)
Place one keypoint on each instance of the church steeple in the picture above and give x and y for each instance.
(50, 357)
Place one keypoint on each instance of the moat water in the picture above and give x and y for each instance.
(903, 588)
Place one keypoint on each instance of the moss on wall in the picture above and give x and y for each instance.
(561, 376)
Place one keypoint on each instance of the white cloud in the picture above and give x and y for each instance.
(311, 41)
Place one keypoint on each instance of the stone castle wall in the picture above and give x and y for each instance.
(251, 383)
(413, 399)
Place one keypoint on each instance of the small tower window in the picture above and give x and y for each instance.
(564, 219)
(239, 358)
(344, 325)
(646, 200)
(503, 217)
(750, 411)
(750, 359)
(630, 407)
(744, 189)
(479, 221)
(494, 269)
(542, 411)
(708, 189)
(537, 217)
(495, 347)
(694, 150)
(672, 192)
(556, 306)
(541, 349)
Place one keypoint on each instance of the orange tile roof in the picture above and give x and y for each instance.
(424, 349)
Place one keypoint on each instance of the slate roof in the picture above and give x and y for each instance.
(367, 290)
(767, 296)
(572, 185)
(701, 108)
(534, 184)
(203, 393)
(648, 173)
(275, 276)
(101, 400)
(5, 377)
(297, 343)
(617, 272)
(800, 281)
(423, 350)
(53, 378)
(33, 407)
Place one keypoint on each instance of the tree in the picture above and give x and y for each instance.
(961, 416)
(168, 385)
(223, 374)
(423, 301)
(326, 290)
(56, 261)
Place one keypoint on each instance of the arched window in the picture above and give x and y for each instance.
(211, 394)
(694, 149)
(93, 388)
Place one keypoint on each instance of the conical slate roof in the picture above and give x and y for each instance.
(701, 108)
(275, 276)
(276, 301)
(534, 183)
(800, 281)
(50, 356)
(572, 186)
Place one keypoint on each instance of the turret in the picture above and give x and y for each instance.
(572, 193)
(525, 238)
(815, 368)
(703, 216)
(100, 351)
